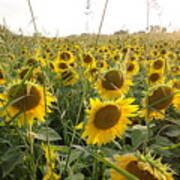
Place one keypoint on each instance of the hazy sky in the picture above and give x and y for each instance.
(67, 17)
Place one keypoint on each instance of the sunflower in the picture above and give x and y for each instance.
(144, 167)
(154, 53)
(2, 80)
(116, 57)
(88, 59)
(101, 65)
(60, 66)
(107, 120)
(158, 100)
(69, 77)
(171, 56)
(25, 70)
(132, 68)
(113, 83)
(163, 52)
(66, 56)
(92, 73)
(175, 69)
(27, 101)
(24, 51)
(155, 77)
(158, 64)
(51, 158)
(175, 83)
(32, 62)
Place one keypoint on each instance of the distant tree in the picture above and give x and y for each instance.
(157, 29)
(120, 32)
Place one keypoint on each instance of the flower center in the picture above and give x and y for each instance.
(107, 117)
(158, 64)
(130, 67)
(113, 80)
(62, 65)
(133, 168)
(27, 97)
(87, 59)
(154, 77)
(32, 62)
(65, 56)
(162, 96)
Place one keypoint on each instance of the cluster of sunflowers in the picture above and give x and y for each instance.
(111, 71)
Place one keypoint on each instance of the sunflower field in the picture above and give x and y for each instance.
(76, 108)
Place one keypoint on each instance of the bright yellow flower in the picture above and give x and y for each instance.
(107, 120)
(27, 101)
(144, 167)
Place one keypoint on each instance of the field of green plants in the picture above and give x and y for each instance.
(82, 108)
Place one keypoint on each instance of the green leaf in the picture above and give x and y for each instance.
(78, 176)
(46, 134)
(173, 132)
(10, 159)
(139, 135)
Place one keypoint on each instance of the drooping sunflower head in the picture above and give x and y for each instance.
(69, 77)
(144, 167)
(113, 83)
(92, 74)
(107, 120)
(27, 101)
(158, 99)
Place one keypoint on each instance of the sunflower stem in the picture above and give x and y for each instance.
(76, 122)
(32, 163)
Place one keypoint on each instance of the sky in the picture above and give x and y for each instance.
(67, 17)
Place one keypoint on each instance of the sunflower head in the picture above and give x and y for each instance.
(132, 68)
(144, 167)
(27, 101)
(175, 69)
(88, 59)
(160, 98)
(113, 83)
(107, 120)
(31, 62)
(29, 97)
(158, 64)
(66, 56)
(155, 77)
(175, 83)
(60, 65)
(69, 77)
(157, 100)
